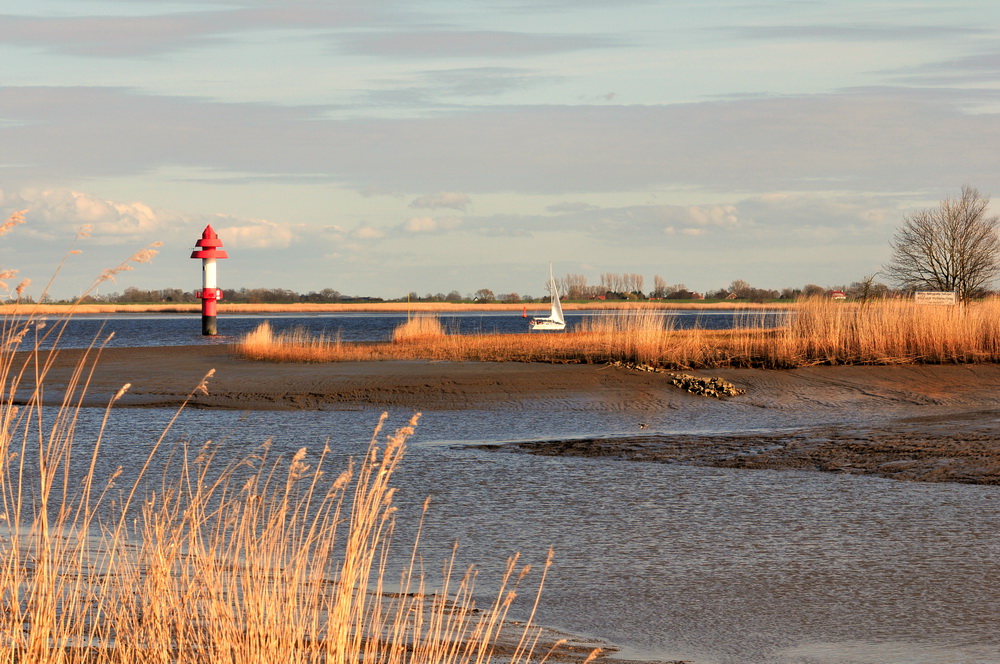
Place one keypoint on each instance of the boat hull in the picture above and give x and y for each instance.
(543, 324)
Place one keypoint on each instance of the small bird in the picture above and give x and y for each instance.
(642, 425)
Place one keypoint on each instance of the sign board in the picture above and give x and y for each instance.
(935, 297)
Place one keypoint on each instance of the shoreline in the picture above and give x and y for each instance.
(909, 422)
(381, 307)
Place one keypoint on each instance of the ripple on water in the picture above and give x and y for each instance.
(672, 562)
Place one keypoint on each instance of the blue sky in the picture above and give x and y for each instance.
(379, 147)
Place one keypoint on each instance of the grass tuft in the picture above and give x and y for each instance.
(419, 329)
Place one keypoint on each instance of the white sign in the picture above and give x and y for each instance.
(935, 297)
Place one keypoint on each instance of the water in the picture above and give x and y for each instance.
(132, 330)
(665, 561)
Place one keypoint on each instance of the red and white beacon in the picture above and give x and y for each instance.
(209, 248)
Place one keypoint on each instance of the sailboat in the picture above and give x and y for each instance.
(555, 320)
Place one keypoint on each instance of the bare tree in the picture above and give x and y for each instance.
(866, 289)
(637, 282)
(740, 288)
(659, 286)
(954, 247)
(606, 281)
(612, 282)
(813, 290)
(574, 286)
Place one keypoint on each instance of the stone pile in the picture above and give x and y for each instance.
(706, 387)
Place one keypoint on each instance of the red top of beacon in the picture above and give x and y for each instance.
(211, 246)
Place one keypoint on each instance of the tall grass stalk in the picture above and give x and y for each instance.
(817, 331)
(266, 559)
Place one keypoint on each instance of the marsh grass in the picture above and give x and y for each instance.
(421, 328)
(817, 331)
(266, 559)
(301, 345)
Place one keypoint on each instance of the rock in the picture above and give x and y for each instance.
(708, 387)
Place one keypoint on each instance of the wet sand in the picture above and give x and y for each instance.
(920, 423)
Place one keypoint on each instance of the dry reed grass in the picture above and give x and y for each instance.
(419, 329)
(262, 560)
(817, 331)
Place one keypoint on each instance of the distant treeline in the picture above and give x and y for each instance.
(133, 295)
(571, 287)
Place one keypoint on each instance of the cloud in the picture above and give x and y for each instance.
(979, 69)
(254, 234)
(484, 81)
(115, 36)
(854, 32)
(452, 200)
(624, 223)
(723, 216)
(468, 44)
(859, 140)
(813, 217)
(570, 206)
(58, 212)
(367, 233)
(780, 219)
(431, 225)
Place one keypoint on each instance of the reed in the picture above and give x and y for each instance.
(420, 328)
(297, 344)
(266, 559)
(817, 331)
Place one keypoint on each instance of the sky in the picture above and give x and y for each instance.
(379, 147)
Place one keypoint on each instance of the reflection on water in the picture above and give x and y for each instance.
(668, 561)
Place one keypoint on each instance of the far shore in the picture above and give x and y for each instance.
(378, 307)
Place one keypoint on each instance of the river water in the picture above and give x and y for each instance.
(667, 562)
(132, 330)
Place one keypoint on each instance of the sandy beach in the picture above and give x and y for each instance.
(914, 422)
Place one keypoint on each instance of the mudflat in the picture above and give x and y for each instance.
(909, 422)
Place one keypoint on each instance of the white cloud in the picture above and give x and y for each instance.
(420, 225)
(723, 216)
(58, 214)
(63, 211)
(255, 234)
(431, 225)
(367, 233)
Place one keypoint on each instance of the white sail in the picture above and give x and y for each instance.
(556, 314)
(555, 320)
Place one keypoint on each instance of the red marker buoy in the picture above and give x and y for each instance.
(210, 249)
(524, 314)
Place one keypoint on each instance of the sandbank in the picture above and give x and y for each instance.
(910, 422)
